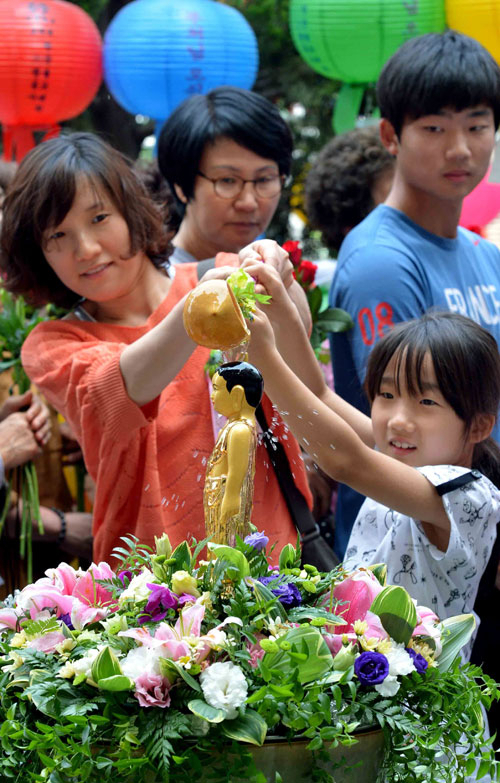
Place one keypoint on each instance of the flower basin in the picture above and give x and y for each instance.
(294, 762)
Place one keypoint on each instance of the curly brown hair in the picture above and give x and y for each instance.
(41, 195)
(338, 189)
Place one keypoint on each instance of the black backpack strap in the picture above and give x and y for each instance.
(295, 500)
(457, 482)
(204, 266)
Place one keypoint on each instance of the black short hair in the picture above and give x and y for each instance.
(246, 117)
(434, 71)
(338, 189)
(245, 375)
(41, 195)
(467, 365)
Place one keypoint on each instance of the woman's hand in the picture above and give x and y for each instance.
(38, 416)
(268, 251)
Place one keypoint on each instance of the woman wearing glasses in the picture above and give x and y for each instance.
(226, 156)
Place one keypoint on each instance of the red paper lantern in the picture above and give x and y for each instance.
(50, 68)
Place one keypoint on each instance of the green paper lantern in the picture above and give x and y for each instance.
(351, 40)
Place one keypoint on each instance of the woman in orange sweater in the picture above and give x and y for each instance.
(79, 230)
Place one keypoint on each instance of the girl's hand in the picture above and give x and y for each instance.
(268, 251)
(262, 342)
(280, 310)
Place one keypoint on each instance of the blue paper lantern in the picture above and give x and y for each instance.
(159, 52)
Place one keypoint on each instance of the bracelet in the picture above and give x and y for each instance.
(62, 517)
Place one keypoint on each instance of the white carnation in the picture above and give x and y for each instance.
(138, 590)
(140, 660)
(224, 687)
(389, 687)
(399, 660)
(400, 663)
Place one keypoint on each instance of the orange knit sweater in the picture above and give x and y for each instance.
(148, 463)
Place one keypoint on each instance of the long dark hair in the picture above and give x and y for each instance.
(42, 194)
(467, 366)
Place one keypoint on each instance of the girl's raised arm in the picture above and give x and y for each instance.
(336, 447)
(294, 346)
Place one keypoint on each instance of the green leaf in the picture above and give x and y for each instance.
(243, 288)
(116, 683)
(250, 727)
(334, 319)
(181, 559)
(203, 710)
(167, 667)
(287, 557)
(232, 556)
(105, 665)
(397, 613)
(314, 298)
(380, 571)
(456, 632)
(308, 655)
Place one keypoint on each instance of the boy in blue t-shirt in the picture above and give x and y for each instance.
(439, 98)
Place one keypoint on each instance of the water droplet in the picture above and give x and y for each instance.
(176, 507)
(332, 446)
(315, 413)
(306, 441)
(146, 487)
(299, 416)
(183, 504)
(198, 478)
(204, 461)
(195, 453)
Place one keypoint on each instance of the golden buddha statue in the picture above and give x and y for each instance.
(228, 493)
(213, 318)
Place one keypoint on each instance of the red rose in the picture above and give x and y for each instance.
(293, 250)
(307, 272)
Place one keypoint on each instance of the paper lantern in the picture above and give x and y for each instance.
(351, 40)
(478, 18)
(50, 68)
(159, 52)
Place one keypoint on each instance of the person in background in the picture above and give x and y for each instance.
(351, 175)
(226, 156)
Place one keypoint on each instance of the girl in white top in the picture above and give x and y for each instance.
(434, 387)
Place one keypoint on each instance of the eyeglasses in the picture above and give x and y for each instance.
(231, 186)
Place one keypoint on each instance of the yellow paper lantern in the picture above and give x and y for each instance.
(478, 18)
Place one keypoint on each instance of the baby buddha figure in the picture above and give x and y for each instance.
(237, 391)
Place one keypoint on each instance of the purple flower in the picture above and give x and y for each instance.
(66, 619)
(159, 602)
(186, 598)
(125, 575)
(418, 660)
(286, 592)
(371, 668)
(259, 541)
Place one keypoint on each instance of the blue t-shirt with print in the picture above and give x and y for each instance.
(390, 270)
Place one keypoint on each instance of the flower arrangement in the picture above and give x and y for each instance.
(324, 319)
(178, 666)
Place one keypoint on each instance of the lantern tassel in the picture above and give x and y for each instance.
(18, 140)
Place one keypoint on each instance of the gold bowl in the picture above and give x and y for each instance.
(213, 317)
